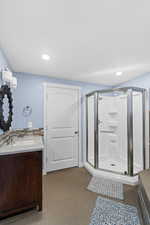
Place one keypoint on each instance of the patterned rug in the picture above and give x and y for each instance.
(108, 212)
(106, 187)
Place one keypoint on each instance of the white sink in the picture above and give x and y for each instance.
(24, 143)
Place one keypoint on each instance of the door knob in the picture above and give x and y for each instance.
(76, 132)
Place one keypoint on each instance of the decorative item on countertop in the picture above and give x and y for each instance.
(13, 84)
(27, 111)
(8, 78)
(30, 125)
(5, 92)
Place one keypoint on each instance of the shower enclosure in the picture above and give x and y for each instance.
(116, 130)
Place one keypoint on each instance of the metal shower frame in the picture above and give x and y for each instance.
(129, 92)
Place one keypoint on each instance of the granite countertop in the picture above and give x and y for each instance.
(21, 141)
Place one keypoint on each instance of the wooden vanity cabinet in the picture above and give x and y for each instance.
(20, 182)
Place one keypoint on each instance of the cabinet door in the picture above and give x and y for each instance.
(20, 181)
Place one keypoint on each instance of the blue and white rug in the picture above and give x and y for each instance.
(106, 187)
(109, 212)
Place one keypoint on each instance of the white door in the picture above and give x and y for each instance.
(62, 127)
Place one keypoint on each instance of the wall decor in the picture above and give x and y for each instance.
(6, 107)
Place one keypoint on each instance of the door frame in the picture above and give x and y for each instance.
(78, 89)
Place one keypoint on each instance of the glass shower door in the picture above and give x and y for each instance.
(138, 120)
(112, 113)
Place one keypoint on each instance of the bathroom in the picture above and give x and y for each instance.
(74, 112)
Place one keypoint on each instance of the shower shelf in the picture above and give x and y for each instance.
(107, 131)
(113, 124)
(113, 112)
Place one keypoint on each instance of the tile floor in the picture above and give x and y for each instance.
(66, 201)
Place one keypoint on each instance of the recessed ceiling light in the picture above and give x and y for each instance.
(119, 73)
(45, 57)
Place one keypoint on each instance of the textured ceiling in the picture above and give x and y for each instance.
(86, 40)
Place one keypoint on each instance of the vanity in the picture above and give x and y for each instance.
(20, 174)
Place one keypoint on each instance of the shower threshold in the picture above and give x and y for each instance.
(113, 165)
(111, 175)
